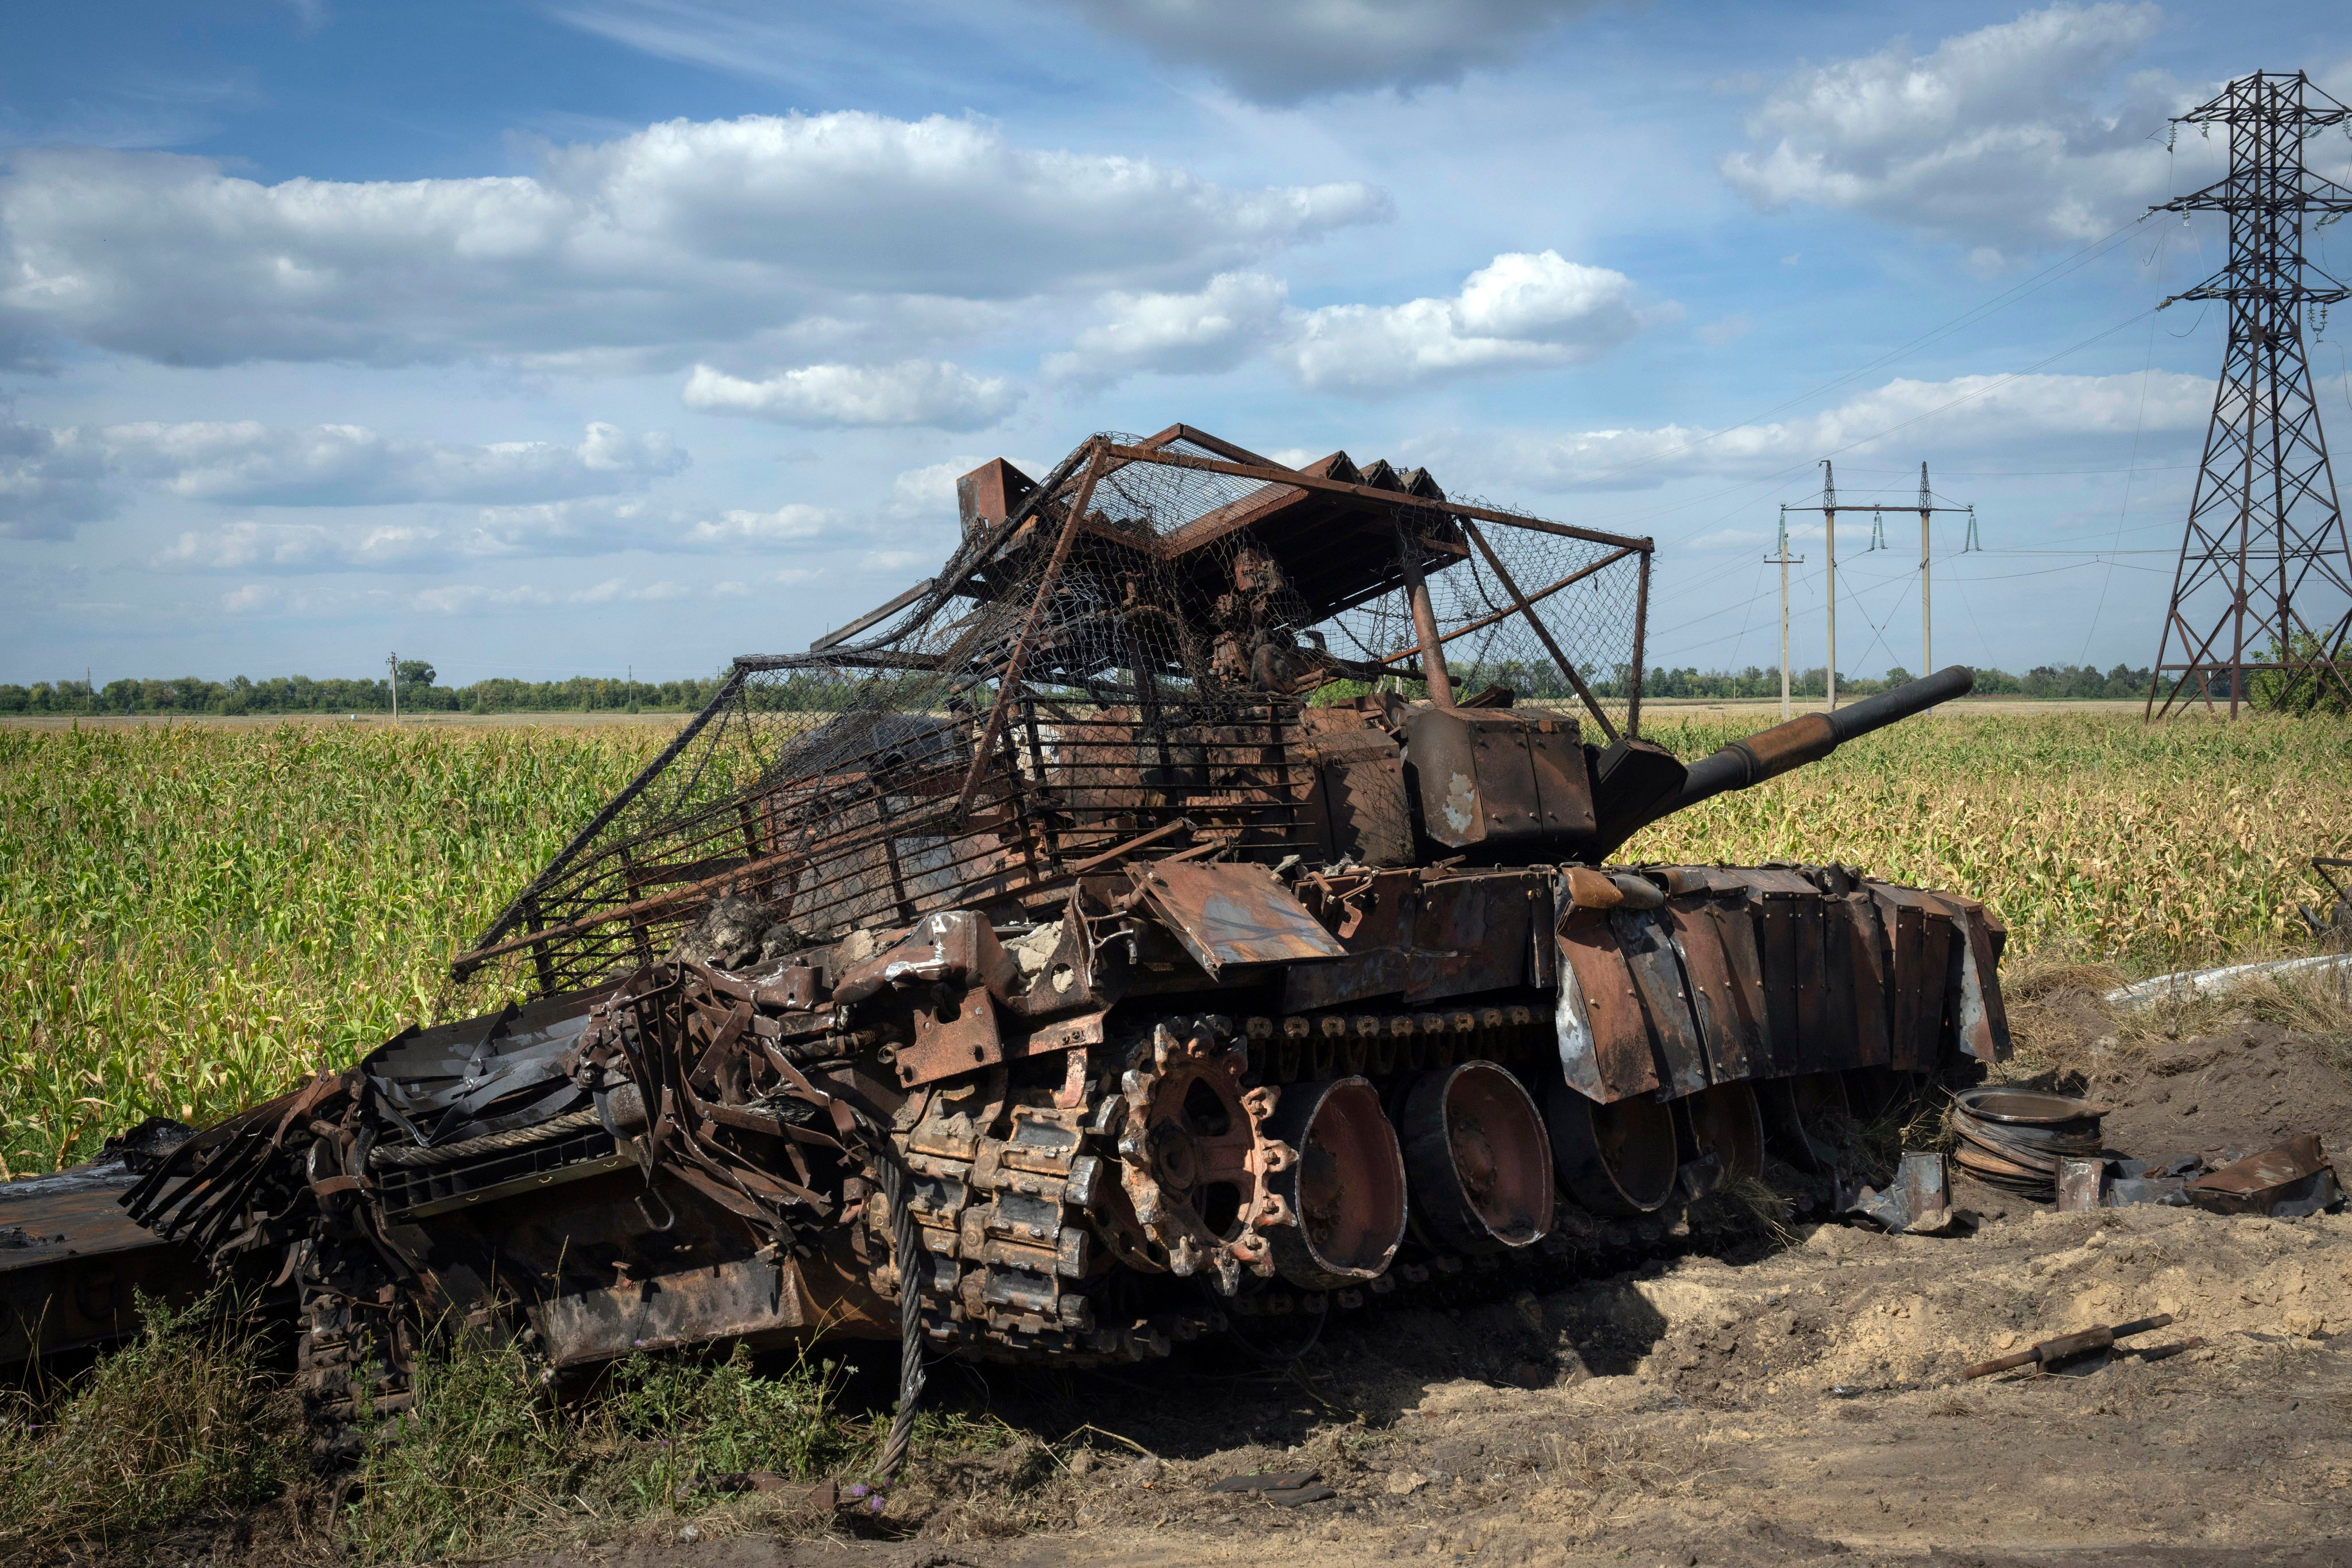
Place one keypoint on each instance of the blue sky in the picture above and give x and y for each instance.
(632, 334)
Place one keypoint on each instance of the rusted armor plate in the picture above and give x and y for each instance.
(748, 1296)
(1727, 1000)
(1425, 938)
(951, 1037)
(1840, 1043)
(1471, 934)
(1776, 942)
(1824, 1005)
(1867, 963)
(1372, 918)
(2255, 1185)
(1543, 948)
(1563, 785)
(1923, 938)
(1604, 1040)
(1234, 914)
(1650, 955)
(1905, 989)
(1366, 810)
(1358, 796)
(1976, 1012)
(1939, 958)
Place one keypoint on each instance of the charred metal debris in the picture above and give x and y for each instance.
(1060, 963)
(2084, 1351)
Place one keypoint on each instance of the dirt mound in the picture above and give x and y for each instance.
(2243, 1088)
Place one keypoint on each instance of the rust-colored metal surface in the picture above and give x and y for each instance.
(1866, 965)
(1614, 1158)
(1233, 915)
(1346, 1188)
(1604, 1038)
(2259, 1184)
(1717, 945)
(1479, 1159)
(1666, 999)
(1728, 1123)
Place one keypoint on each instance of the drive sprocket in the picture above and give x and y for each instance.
(1194, 1155)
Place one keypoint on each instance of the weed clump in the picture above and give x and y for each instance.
(182, 1421)
(487, 1462)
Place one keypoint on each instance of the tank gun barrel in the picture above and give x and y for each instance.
(1770, 753)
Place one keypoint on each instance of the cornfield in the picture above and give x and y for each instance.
(191, 918)
(2094, 837)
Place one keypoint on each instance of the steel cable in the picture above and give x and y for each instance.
(912, 1273)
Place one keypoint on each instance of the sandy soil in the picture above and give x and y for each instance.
(1795, 1408)
(1788, 1404)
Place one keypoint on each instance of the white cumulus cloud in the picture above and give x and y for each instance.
(461, 598)
(1519, 311)
(684, 234)
(620, 590)
(2011, 414)
(742, 527)
(1522, 310)
(53, 478)
(250, 545)
(912, 392)
(1213, 329)
(246, 463)
(544, 530)
(2017, 134)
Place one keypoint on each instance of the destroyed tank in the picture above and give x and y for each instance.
(1139, 927)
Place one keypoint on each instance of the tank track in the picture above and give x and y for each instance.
(1022, 1211)
(355, 1345)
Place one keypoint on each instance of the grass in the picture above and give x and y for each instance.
(194, 917)
(2317, 1005)
(186, 1423)
(183, 1420)
(485, 1464)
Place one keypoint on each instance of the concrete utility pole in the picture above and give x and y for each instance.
(392, 663)
(1928, 509)
(1829, 522)
(1784, 561)
(1926, 604)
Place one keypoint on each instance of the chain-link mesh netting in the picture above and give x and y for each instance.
(1136, 678)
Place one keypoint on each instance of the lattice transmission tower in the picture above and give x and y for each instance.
(2264, 583)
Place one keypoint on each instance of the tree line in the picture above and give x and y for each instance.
(419, 691)
(2043, 680)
